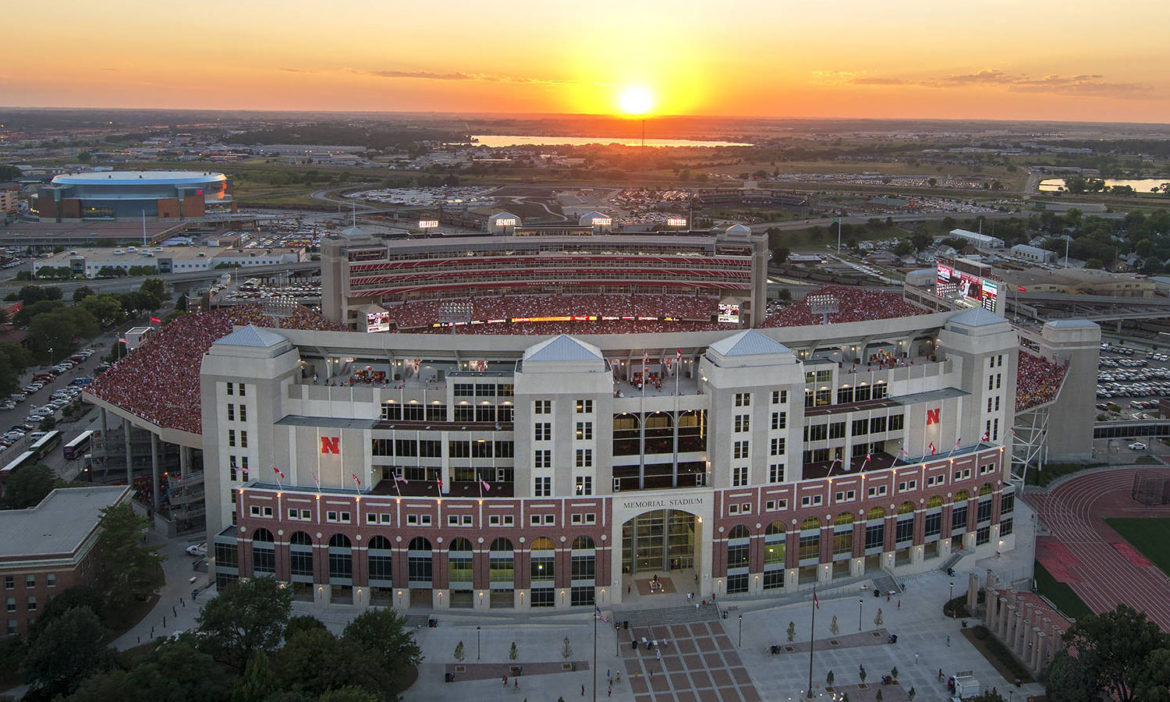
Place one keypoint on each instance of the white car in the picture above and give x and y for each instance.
(1137, 446)
(198, 550)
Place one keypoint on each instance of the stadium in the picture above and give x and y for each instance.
(590, 461)
(112, 195)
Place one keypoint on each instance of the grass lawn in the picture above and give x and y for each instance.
(1147, 536)
(1060, 594)
(998, 655)
(1052, 471)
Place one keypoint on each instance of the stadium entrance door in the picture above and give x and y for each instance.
(659, 541)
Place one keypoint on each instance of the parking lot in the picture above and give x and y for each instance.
(1133, 380)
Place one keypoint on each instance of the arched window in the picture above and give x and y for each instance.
(739, 532)
(810, 523)
(340, 559)
(380, 557)
(582, 562)
(935, 501)
(418, 562)
(501, 561)
(906, 508)
(263, 552)
(876, 513)
(775, 543)
(961, 495)
(986, 489)
(776, 528)
(543, 561)
(459, 561)
(300, 552)
(738, 545)
(843, 519)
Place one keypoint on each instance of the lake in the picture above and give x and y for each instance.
(496, 141)
(1142, 185)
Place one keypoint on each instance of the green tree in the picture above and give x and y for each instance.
(32, 310)
(175, 671)
(105, 308)
(258, 680)
(128, 570)
(459, 652)
(154, 291)
(70, 598)
(384, 634)
(513, 654)
(35, 293)
(81, 293)
(877, 618)
(349, 693)
(245, 618)
(315, 661)
(791, 632)
(1113, 647)
(301, 623)
(66, 652)
(834, 628)
(903, 248)
(830, 678)
(566, 649)
(27, 486)
(1068, 680)
(1154, 679)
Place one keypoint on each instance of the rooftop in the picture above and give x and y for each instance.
(139, 178)
(59, 524)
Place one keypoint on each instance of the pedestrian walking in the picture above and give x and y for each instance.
(516, 684)
(940, 674)
(899, 604)
(505, 681)
(948, 640)
(609, 693)
(915, 658)
(582, 690)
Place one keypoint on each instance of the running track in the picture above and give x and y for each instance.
(1091, 557)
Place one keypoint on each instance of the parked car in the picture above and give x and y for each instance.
(198, 550)
(1137, 446)
(8, 405)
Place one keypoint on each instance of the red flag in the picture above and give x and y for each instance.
(678, 356)
(868, 457)
(958, 442)
(155, 320)
(356, 480)
(986, 436)
(278, 472)
(400, 479)
(932, 448)
(645, 358)
(122, 341)
(815, 600)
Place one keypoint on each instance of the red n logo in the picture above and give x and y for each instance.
(331, 444)
(931, 416)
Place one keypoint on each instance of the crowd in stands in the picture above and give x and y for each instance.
(159, 381)
(1037, 380)
(853, 305)
(579, 327)
(416, 315)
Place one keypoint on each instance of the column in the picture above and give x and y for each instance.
(129, 464)
(972, 592)
(184, 462)
(1011, 625)
(154, 470)
(1001, 621)
(1039, 650)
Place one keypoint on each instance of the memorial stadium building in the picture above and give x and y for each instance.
(105, 195)
(552, 463)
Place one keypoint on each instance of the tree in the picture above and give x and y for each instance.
(349, 693)
(912, 692)
(921, 241)
(81, 293)
(903, 248)
(66, 652)
(246, 618)
(27, 486)
(877, 618)
(862, 674)
(566, 649)
(301, 623)
(989, 696)
(1113, 647)
(780, 254)
(459, 652)
(30, 294)
(71, 598)
(894, 672)
(258, 680)
(830, 678)
(1154, 680)
(513, 654)
(155, 291)
(175, 671)
(384, 634)
(834, 628)
(315, 661)
(791, 632)
(879, 697)
(128, 570)
(1069, 680)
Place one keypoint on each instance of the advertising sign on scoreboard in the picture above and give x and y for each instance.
(676, 222)
(729, 313)
(378, 322)
(428, 224)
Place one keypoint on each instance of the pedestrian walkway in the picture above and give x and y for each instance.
(686, 663)
(457, 672)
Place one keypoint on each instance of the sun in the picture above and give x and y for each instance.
(635, 100)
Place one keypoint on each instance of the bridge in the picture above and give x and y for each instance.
(1132, 429)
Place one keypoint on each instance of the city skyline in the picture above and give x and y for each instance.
(984, 60)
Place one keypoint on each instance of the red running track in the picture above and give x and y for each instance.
(1083, 551)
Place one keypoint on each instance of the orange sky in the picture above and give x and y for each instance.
(997, 59)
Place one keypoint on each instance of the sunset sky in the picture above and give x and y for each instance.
(997, 59)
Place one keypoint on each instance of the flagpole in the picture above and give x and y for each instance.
(594, 655)
(812, 643)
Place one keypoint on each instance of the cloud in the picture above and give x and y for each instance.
(1053, 83)
(429, 75)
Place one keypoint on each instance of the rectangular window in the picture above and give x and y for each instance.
(231, 412)
(824, 376)
(542, 407)
(818, 432)
(742, 422)
(584, 431)
(584, 458)
(739, 476)
(543, 487)
(1007, 503)
(844, 396)
(9, 582)
(743, 399)
(230, 388)
(542, 458)
(231, 437)
(779, 397)
(243, 413)
(243, 439)
(837, 430)
(243, 390)
(542, 431)
(897, 422)
(584, 406)
(905, 530)
(776, 473)
(959, 518)
(779, 420)
(584, 485)
(30, 581)
(778, 446)
(877, 425)
(860, 427)
(464, 390)
(1005, 527)
(740, 449)
(933, 524)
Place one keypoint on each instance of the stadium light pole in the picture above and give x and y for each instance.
(860, 607)
(477, 643)
(741, 631)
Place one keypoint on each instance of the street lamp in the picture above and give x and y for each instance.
(741, 631)
(860, 605)
(477, 643)
(951, 598)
